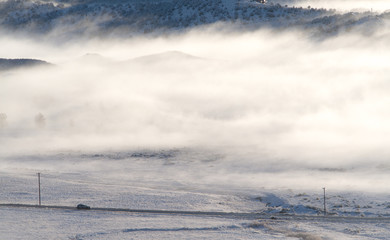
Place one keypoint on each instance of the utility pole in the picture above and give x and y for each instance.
(39, 188)
(324, 202)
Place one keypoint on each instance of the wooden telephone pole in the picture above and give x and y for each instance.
(39, 188)
(324, 202)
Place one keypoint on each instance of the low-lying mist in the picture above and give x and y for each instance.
(268, 102)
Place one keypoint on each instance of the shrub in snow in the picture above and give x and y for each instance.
(40, 120)
(3, 120)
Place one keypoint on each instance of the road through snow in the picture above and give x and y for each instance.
(234, 215)
(66, 222)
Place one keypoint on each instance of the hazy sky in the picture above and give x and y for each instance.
(340, 5)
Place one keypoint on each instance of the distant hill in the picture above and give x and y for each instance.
(174, 56)
(137, 17)
(95, 58)
(10, 64)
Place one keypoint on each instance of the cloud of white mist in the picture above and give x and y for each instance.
(267, 100)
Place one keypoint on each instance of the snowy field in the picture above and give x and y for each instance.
(231, 132)
(60, 224)
(166, 180)
(135, 182)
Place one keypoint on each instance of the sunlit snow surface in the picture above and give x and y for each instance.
(59, 224)
(212, 119)
(165, 180)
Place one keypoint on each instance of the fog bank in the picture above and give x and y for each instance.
(267, 102)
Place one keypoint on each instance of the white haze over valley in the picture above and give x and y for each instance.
(275, 100)
(215, 117)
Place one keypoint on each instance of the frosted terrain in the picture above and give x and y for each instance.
(194, 119)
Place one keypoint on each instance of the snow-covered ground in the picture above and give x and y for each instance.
(159, 181)
(197, 106)
(28, 223)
